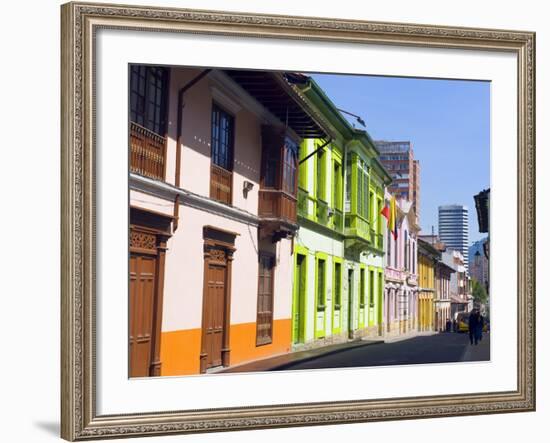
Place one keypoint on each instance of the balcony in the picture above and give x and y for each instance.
(147, 152)
(221, 184)
(275, 204)
(357, 226)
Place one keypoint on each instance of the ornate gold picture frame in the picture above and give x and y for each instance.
(80, 22)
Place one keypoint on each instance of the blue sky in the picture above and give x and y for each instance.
(447, 122)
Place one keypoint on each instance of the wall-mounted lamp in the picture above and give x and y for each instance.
(247, 187)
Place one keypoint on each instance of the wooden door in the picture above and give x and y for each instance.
(142, 296)
(214, 306)
(264, 318)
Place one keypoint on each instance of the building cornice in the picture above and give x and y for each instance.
(222, 86)
(169, 192)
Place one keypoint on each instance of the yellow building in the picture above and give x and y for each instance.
(428, 256)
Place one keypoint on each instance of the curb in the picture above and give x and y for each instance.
(335, 351)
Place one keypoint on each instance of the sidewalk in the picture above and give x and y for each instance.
(481, 352)
(280, 362)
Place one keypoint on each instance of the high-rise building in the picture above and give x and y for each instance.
(453, 229)
(398, 158)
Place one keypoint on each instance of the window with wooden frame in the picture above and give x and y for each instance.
(290, 161)
(148, 108)
(337, 285)
(148, 95)
(222, 147)
(321, 288)
(362, 288)
(223, 128)
(280, 163)
(264, 320)
(279, 175)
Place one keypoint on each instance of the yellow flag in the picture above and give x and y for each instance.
(392, 223)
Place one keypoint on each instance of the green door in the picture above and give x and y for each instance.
(350, 303)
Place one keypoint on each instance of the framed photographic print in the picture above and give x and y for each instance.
(283, 221)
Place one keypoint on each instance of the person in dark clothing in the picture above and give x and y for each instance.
(479, 328)
(448, 325)
(473, 322)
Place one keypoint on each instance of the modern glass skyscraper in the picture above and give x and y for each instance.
(453, 228)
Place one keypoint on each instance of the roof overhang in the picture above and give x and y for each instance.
(273, 91)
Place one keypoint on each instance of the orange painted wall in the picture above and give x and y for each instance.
(180, 350)
(242, 341)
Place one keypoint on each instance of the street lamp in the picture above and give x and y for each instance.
(359, 119)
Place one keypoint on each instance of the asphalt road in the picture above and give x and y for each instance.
(438, 348)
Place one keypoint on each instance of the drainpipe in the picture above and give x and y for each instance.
(181, 92)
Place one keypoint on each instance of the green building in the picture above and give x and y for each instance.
(339, 247)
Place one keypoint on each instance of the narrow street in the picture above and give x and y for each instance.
(438, 348)
(422, 349)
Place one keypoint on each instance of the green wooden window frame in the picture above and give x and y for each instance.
(321, 173)
(372, 209)
(362, 284)
(337, 184)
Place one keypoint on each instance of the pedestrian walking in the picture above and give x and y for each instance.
(479, 327)
(473, 322)
(448, 325)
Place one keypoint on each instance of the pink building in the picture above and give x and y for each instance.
(213, 186)
(401, 272)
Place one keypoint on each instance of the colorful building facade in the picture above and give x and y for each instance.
(213, 197)
(338, 249)
(401, 272)
(461, 298)
(428, 256)
(442, 299)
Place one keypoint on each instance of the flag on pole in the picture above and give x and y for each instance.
(389, 211)
(393, 218)
(386, 212)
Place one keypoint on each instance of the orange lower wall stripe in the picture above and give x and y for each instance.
(180, 350)
(242, 340)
